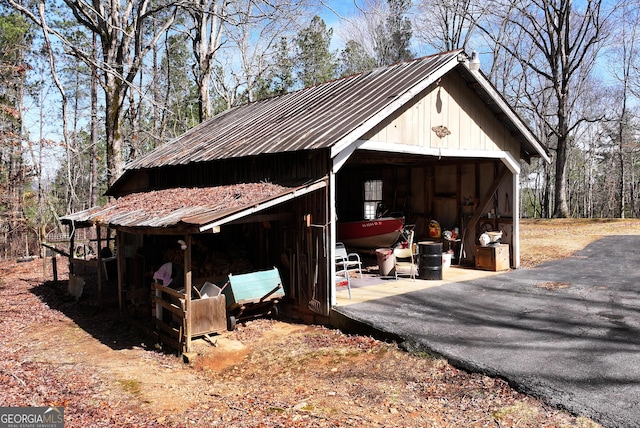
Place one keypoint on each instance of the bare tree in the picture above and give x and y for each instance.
(446, 24)
(208, 17)
(121, 34)
(93, 164)
(362, 25)
(15, 48)
(120, 27)
(559, 45)
(625, 54)
(234, 41)
(379, 32)
(520, 86)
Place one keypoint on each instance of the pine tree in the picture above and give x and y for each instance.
(393, 37)
(279, 79)
(355, 59)
(15, 41)
(316, 62)
(179, 93)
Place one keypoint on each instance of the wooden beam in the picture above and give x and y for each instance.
(55, 250)
(193, 229)
(458, 185)
(54, 266)
(187, 288)
(100, 265)
(170, 307)
(157, 230)
(259, 218)
(170, 291)
(72, 237)
(484, 202)
(120, 263)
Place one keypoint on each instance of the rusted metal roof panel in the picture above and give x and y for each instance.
(312, 118)
(187, 206)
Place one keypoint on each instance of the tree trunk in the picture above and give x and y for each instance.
(561, 207)
(93, 167)
(113, 105)
(621, 179)
(546, 197)
(204, 101)
(206, 42)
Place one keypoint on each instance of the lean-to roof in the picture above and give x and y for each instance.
(189, 208)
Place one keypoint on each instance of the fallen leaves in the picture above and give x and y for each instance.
(553, 285)
(543, 240)
(275, 374)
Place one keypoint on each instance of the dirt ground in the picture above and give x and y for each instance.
(266, 373)
(549, 239)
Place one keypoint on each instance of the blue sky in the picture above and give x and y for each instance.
(329, 14)
(344, 8)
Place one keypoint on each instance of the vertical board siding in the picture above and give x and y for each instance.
(294, 167)
(451, 104)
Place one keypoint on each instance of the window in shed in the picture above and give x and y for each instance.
(372, 198)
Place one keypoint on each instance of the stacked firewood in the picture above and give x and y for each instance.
(216, 265)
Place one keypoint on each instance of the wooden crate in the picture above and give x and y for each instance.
(494, 258)
(207, 315)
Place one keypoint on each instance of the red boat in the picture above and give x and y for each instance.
(375, 233)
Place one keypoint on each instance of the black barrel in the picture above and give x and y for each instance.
(430, 266)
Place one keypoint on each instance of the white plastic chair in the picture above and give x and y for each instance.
(345, 263)
(405, 262)
(348, 261)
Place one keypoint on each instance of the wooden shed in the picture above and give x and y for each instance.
(265, 184)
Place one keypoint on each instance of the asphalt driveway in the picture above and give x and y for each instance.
(566, 331)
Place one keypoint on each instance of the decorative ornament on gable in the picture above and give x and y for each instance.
(441, 131)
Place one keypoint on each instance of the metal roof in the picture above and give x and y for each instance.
(322, 116)
(330, 115)
(201, 208)
(311, 118)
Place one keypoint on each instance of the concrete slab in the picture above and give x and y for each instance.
(567, 331)
(373, 286)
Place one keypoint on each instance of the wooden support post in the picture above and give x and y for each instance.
(187, 288)
(71, 250)
(100, 266)
(120, 263)
(54, 266)
(459, 170)
(44, 263)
